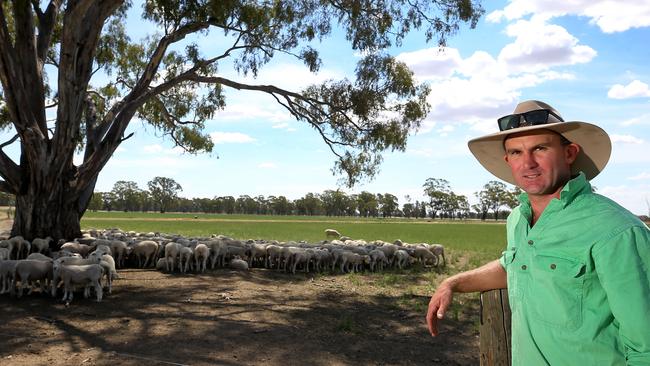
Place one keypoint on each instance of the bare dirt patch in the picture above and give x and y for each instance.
(261, 317)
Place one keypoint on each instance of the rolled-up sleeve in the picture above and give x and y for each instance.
(623, 266)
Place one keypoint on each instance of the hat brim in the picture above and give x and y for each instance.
(595, 148)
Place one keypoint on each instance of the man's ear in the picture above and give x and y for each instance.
(571, 152)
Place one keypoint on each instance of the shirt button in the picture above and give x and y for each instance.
(530, 242)
(524, 267)
(553, 266)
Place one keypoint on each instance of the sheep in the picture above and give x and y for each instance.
(301, 256)
(29, 270)
(402, 258)
(7, 274)
(238, 264)
(172, 251)
(186, 254)
(331, 233)
(4, 253)
(74, 247)
(39, 257)
(145, 251)
(20, 245)
(201, 254)
(353, 262)
(161, 265)
(218, 251)
(85, 275)
(424, 255)
(41, 245)
(272, 256)
(118, 248)
(377, 260)
(108, 264)
(256, 252)
(439, 251)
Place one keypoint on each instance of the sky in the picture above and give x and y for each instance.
(586, 58)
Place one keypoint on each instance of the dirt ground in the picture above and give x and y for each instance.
(223, 317)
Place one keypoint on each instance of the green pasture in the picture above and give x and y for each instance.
(486, 238)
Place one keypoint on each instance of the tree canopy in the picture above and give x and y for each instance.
(72, 80)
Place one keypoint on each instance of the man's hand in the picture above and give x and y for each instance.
(438, 306)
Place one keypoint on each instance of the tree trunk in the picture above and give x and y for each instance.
(55, 211)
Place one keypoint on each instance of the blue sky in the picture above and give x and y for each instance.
(588, 59)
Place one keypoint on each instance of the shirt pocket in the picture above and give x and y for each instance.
(556, 291)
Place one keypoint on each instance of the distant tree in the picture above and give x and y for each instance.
(127, 195)
(163, 192)
(409, 210)
(438, 191)
(310, 205)
(367, 204)
(389, 204)
(97, 201)
(76, 57)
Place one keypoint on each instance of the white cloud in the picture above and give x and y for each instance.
(626, 139)
(539, 46)
(281, 125)
(635, 89)
(641, 176)
(267, 165)
(230, 138)
(256, 107)
(432, 63)
(643, 119)
(609, 15)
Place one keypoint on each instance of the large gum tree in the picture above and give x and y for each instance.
(54, 53)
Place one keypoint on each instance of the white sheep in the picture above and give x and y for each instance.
(238, 264)
(186, 254)
(331, 233)
(20, 245)
(7, 274)
(172, 251)
(146, 252)
(74, 247)
(402, 259)
(108, 264)
(41, 245)
(83, 275)
(424, 255)
(118, 248)
(272, 256)
(300, 256)
(377, 260)
(28, 271)
(39, 257)
(201, 255)
(218, 252)
(439, 251)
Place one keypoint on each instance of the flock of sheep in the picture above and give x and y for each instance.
(91, 262)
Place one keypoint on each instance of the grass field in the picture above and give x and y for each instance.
(485, 238)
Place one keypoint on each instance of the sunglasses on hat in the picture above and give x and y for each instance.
(531, 118)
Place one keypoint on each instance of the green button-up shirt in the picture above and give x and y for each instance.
(578, 282)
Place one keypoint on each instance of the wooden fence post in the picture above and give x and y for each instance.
(495, 328)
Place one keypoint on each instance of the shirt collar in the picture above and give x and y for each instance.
(573, 188)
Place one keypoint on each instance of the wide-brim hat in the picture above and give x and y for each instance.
(595, 145)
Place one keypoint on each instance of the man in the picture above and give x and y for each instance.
(577, 265)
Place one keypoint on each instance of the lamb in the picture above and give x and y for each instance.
(85, 275)
(331, 233)
(353, 262)
(7, 274)
(186, 254)
(424, 255)
(118, 248)
(108, 264)
(439, 251)
(145, 251)
(238, 264)
(75, 247)
(20, 245)
(41, 245)
(201, 254)
(4, 254)
(29, 270)
(402, 258)
(218, 251)
(377, 260)
(39, 257)
(256, 252)
(303, 257)
(172, 251)
(272, 256)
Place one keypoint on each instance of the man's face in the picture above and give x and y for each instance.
(540, 164)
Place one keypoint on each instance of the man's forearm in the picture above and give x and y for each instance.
(487, 277)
